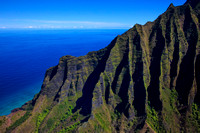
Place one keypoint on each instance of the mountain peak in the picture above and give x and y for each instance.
(171, 6)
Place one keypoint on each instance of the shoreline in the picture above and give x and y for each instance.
(19, 99)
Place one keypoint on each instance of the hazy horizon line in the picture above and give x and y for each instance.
(60, 24)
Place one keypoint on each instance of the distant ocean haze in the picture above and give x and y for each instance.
(26, 54)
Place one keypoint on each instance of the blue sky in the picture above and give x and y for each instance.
(77, 14)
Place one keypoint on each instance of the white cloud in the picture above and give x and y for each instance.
(71, 24)
(53, 24)
(75, 27)
(30, 27)
(3, 27)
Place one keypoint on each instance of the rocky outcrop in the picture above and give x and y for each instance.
(146, 79)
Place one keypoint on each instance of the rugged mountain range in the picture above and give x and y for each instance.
(145, 80)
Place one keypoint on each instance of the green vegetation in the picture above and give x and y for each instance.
(194, 118)
(61, 115)
(40, 118)
(67, 114)
(19, 121)
(50, 123)
(154, 120)
(196, 113)
(115, 115)
(70, 128)
(170, 113)
(133, 122)
(173, 99)
(53, 125)
(74, 117)
(102, 121)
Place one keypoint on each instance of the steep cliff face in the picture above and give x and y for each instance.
(147, 79)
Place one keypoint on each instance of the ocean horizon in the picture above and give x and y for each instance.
(25, 55)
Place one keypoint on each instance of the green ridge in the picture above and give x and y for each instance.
(145, 80)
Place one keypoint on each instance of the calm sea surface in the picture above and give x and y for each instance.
(26, 54)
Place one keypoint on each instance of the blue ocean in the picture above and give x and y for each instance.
(25, 55)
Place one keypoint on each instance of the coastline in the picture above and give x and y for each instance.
(18, 99)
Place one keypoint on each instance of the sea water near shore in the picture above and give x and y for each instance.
(26, 54)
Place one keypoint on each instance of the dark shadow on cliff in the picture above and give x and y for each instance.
(117, 73)
(85, 102)
(174, 63)
(123, 94)
(139, 88)
(154, 87)
(107, 92)
(53, 73)
(123, 106)
(57, 96)
(186, 73)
